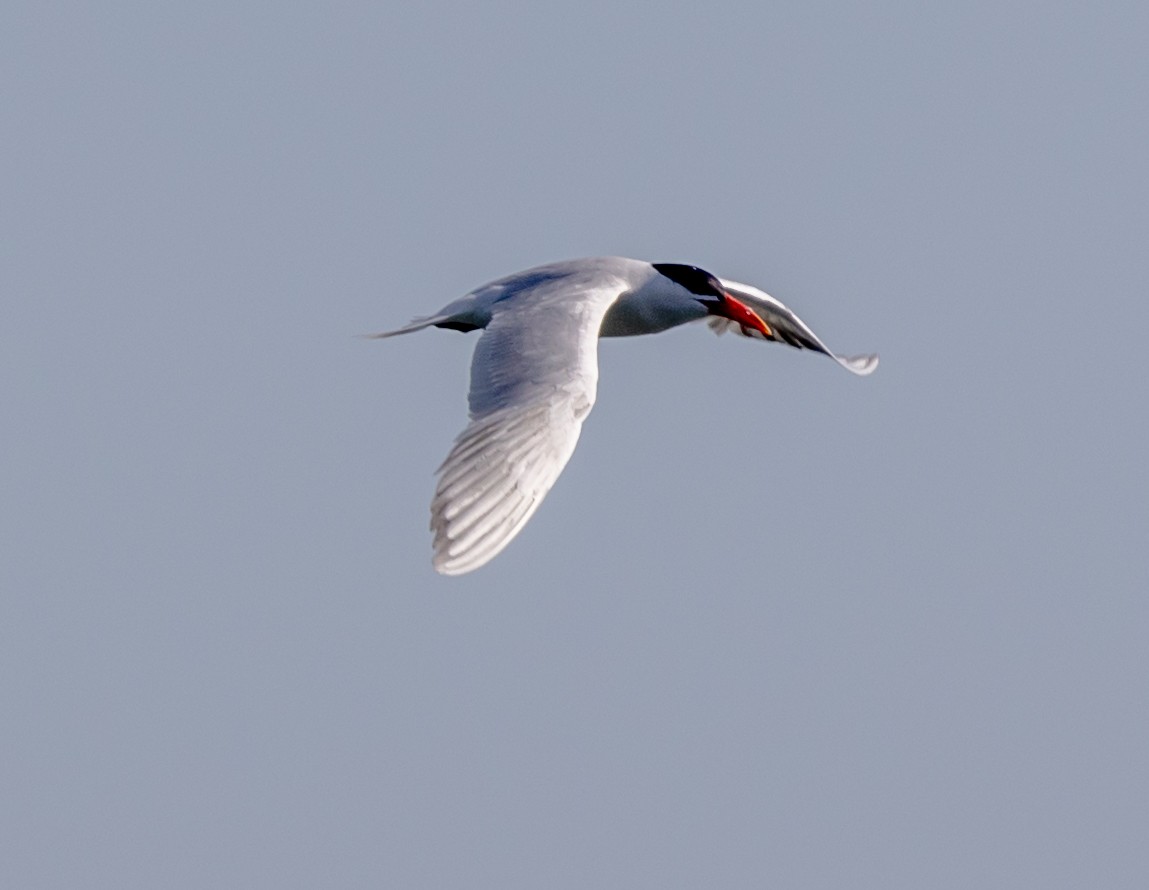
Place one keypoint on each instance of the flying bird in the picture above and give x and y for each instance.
(534, 376)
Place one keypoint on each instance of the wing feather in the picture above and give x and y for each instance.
(534, 378)
(785, 326)
(492, 493)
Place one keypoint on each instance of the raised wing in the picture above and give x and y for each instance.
(534, 377)
(785, 327)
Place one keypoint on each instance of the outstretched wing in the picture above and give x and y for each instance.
(785, 327)
(534, 377)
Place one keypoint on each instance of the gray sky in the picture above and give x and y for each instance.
(775, 625)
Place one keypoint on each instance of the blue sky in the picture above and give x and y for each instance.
(774, 626)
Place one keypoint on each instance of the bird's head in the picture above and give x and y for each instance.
(708, 290)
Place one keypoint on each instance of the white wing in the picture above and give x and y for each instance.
(533, 380)
(786, 327)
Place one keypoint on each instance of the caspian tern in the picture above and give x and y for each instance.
(534, 377)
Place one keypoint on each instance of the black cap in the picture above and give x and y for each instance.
(697, 281)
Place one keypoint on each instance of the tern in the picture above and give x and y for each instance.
(534, 377)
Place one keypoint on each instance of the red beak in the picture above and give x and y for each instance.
(738, 311)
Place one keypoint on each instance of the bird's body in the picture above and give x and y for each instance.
(534, 377)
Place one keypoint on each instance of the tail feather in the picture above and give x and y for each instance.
(417, 324)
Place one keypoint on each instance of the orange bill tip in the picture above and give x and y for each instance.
(738, 311)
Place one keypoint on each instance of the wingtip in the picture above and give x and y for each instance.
(447, 568)
(862, 365)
